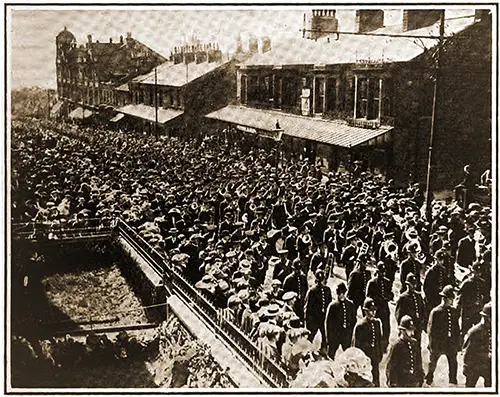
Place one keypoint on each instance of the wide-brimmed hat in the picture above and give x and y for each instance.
(206, 282)
(288, 296)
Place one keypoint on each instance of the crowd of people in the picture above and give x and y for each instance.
(269, 240)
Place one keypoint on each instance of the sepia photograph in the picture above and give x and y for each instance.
(250, 198)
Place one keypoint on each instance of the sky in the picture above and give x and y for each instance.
(33, 32)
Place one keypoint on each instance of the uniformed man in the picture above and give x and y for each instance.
(379, 289)
(318, 298)
(477, 350)
(358, 281)
(411, 265)
(340, 322)
(297, 282)
(404, 363)
(411, 303)
(434, 282)
(471, 297)
(368, 336)
(444, 335)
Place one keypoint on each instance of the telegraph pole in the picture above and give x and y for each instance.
(156, 105)
(428, 192)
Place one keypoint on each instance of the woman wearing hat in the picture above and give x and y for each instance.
(404, 363)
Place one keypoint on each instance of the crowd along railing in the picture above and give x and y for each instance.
(247, 350)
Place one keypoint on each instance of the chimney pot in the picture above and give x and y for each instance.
(89, 38)
(121, 39)
(111, 40)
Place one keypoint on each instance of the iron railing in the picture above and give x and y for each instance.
(231, 334)
(35, 231)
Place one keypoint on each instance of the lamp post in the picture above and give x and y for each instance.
(428, 191)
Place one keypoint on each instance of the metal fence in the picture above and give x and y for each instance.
(247, 350)
(87, 229)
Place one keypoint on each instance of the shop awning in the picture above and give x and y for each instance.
(148, 113)
(80, 113)
(54, 111)
(118, 117)
(330, 132)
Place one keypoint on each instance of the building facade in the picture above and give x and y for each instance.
(343, 97)
(87, 75)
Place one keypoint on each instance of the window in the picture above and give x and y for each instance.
(253, 88)
(368, 98)
(277, 92)
(319, 94)
(289, 91)
(243, 93)
(331, 94)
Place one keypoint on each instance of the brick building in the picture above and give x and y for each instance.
(340, 97)
(194, 81)
(87, 75)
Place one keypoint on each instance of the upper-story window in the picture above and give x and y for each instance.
(244, 89)
(289, 91)
(368, 93)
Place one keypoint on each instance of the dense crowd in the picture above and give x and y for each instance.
(264, 238)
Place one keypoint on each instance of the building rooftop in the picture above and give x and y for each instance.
(352, 48)
(179, 74)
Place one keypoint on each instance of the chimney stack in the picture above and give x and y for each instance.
(369, 20)
(89, 39)
(121, 39)
(322, 22)
(253, 46)
(266, 44)
(110, 40)
(416, 19)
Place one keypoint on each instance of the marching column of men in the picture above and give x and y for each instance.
(416, 312)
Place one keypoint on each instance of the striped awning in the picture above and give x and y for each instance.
(80, 113)
(118, 117)
(330, 132)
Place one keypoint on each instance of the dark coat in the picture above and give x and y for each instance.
(466, 252)
(338, 314)
(410, 265)
(443, 330)
(368, 337)
(296, 282)
(404, 364)
(412, 304)
(317, 300)
(477, 350)
(356, 286)
(434, 282)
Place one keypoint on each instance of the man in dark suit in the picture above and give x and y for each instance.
(411, 303)
(466, 251)
(318, 298)
(358, 281)
(434, 281)
(444, 335)
(477, 350)
(471, 297)
(368, 337)
(340, 321)
(410, 265)
(297, 282)
(404, 363)
(379, 289)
